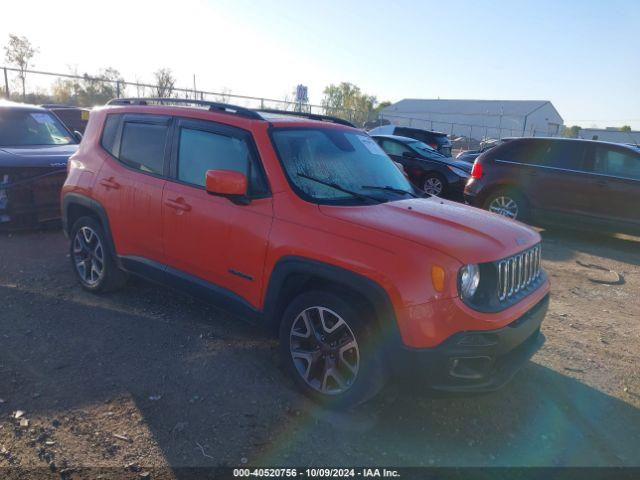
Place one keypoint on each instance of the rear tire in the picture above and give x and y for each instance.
(508, 203)
(326, 345)
(91, 258)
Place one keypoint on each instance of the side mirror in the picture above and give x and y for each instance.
(77, 135)
(227, 183)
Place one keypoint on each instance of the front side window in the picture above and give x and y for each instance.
(201, 150)
(142, 146)
(20, 128)
(617, 162)
(313, 158)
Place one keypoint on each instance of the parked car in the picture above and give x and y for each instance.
(560, 180)
(306, 226)
(436, 140)
(34, 148)
(74, 118)
(426, 168)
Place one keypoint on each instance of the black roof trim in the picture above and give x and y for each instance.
(212, 106)
(310, 116)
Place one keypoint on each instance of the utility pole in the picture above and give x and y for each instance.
(6, 84)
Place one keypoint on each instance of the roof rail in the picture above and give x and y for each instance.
(213, 106)
(310, 116)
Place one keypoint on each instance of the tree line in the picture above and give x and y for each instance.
(344, 100)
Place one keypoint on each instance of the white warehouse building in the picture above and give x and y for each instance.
(478, 119)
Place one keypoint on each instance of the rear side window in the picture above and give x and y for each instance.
(617, 162)
(561, 154)
(411, 133)
(394, 148)
(142, 146)
(564, 154)
(201, 150)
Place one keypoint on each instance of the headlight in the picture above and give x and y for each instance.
(459, 172)
(469, 281)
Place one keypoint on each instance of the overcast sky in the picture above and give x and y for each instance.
(583, 55)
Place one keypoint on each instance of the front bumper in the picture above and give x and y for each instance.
(476, 361)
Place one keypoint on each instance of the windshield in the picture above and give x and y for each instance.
(20, 128)
(424, 149)
(331, 165)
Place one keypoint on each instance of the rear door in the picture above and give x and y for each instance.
(616, 192)
(131, 181)
(551, 174)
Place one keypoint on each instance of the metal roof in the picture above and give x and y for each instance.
(516, 108)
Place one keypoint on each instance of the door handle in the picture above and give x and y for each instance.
(178, 204)
(109, 183)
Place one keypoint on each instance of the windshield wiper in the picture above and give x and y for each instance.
(339, 188)
(387, 188)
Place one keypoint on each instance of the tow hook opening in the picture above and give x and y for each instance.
(472, 368)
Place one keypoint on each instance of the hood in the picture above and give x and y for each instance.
(465, 233)
(36, 155)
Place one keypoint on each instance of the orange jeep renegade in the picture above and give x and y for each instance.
(301, 222)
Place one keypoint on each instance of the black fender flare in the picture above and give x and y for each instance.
(374, 293)
(96, 208)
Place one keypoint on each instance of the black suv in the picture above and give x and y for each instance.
(560, 180)
(436, 140)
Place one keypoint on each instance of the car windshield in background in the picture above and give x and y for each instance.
(424, 149)
(19, 128)
(334, 165)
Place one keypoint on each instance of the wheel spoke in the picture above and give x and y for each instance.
(307, 357)
(307, 324)
(329, 330)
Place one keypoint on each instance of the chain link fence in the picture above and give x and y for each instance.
(87, 91)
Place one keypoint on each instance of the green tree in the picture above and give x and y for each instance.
(19, 52)
(91, 90)
(347, 101)
(571, 132)
(381, 105)
(625, 128)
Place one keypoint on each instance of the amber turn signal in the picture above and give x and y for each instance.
(437, 277)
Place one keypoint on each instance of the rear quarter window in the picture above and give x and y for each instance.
(109, 132)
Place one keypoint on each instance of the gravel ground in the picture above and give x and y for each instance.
(147, 380)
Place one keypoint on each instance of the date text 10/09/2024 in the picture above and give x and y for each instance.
(316, 472)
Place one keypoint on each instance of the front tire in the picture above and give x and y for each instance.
(326, 345)
(91, 259)
(434, 184)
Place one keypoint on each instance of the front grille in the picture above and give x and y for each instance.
(516, 273)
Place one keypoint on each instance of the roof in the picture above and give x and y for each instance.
(583, 140)
(516, 108)
(20, 106)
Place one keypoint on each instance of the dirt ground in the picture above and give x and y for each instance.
(146, 379)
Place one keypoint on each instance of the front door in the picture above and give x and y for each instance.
(208, 236)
